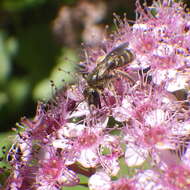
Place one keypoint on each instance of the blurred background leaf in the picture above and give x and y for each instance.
(6, 140)
(16, 5)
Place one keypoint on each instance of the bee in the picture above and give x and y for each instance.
(103, 72)
(19, 151)
(14, 153)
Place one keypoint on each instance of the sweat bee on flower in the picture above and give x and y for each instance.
(105, 70)
(15, 153)
(20, 150)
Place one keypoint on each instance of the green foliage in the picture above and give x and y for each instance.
(6, 139)
(78, 187)
(8, 47)
(17, 5)
(17, 90)
(65, 62)
(83, 180)
(29, 57)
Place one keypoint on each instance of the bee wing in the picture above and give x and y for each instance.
(118, 50)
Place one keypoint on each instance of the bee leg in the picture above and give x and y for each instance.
(130, 78)
(105, 100)
(113, 90)
(82, 70)
(92, 96)
(94, 99)
(145, 76)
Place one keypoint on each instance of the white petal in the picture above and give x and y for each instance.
(88, 158)
(73, 130)
(148, 180)
(178, 83)
(82, 109)
(61, 143)
(99, 181)
(155, 117)
(134, 155)
(111, 166)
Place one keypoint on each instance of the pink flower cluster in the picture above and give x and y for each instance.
(142, 121)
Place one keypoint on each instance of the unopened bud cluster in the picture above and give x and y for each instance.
(126, 124)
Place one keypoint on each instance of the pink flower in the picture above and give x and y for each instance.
(128, 111)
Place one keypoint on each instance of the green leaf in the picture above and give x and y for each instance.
(6, 140)
(8, 47)
(18, 90)
(66, 62)
(18, 5)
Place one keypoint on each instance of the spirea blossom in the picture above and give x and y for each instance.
(129, 107)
